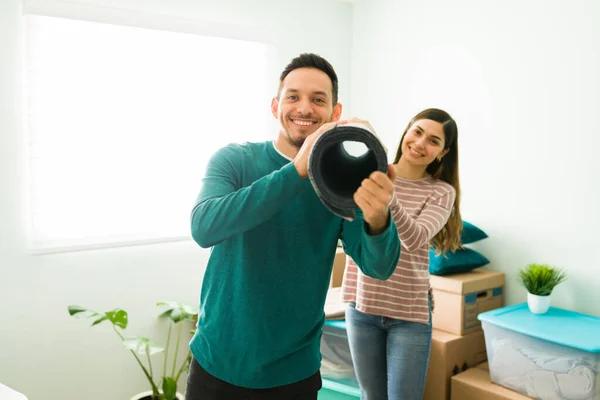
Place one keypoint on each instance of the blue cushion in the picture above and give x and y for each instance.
(461, 260)
(471, 233)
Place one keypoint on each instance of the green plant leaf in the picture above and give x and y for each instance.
(82, 312)
(142, 346)
(118, 317)
(169, 387)
(101, 319)
(541, 279)
(177, 311)
(77, 310)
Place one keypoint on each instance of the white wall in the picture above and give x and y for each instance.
(522, 80)
(46, 354)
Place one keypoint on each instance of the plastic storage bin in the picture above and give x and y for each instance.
(337, 371)
(333, 390)
(336, 362)
(552, 356)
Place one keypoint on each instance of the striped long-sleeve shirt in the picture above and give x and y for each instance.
(420, 209)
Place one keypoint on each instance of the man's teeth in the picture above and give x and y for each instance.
(303, 123)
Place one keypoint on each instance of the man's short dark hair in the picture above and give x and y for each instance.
(310, 60)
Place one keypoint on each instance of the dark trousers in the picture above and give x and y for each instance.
(203, 386)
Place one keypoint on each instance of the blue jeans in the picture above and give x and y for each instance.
(390, 356)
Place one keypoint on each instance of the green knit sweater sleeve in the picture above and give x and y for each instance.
(377, 256)
(224, 208)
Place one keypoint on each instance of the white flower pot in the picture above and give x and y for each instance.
(538, 304)
(143, 395)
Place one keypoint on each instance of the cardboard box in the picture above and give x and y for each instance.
(451, 354)
(459, 298)
(339, 264)
(475, 384)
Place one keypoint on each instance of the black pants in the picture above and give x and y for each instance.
(203, 386)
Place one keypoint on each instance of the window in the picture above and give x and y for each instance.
(122, 121)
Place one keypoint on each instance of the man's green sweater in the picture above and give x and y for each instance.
(273, 244)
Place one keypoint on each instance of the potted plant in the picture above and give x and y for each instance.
(540, 280)
(142, 348)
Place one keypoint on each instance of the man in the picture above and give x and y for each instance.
(273, 244)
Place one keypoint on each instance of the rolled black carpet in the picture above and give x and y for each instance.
(335, 174)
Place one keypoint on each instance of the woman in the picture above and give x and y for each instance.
(389, 322)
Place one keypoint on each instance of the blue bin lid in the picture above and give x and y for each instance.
(336, 323)
(568, 328)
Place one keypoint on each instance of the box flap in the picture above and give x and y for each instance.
(468, 282)
(444, 337)
(568, 328)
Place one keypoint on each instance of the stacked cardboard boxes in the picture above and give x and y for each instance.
(458, 342)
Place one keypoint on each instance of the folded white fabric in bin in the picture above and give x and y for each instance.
(542, 375)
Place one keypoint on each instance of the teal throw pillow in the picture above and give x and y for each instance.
(471, 233)
(461, 260)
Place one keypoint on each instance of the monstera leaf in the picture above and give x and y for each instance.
(177, 311)
(117, 317)
(142, 346)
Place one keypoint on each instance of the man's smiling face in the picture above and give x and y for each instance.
(305, 103)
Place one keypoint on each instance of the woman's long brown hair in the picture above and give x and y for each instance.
(449, 237)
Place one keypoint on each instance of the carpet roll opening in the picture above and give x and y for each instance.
(335, 174)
